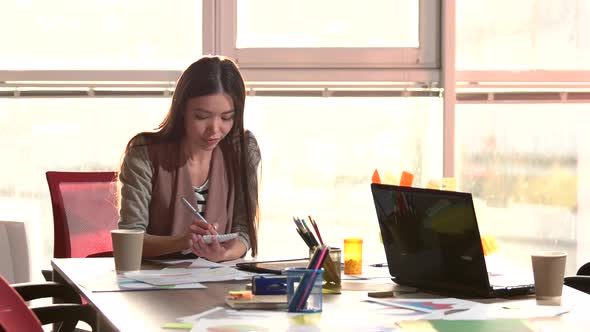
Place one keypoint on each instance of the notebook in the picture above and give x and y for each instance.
(432, 242)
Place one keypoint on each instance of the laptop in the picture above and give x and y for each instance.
(432, 242)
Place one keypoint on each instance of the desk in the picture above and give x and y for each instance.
(149, 310)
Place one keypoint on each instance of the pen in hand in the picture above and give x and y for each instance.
(193, 210)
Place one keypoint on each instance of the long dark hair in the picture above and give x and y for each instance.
(211, 75)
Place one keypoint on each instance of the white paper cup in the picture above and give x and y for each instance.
(127, 249)
(548, 270)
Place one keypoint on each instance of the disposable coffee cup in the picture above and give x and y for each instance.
(548, 270)
(127, 249)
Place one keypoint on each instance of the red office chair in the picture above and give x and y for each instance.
(84, 211)
(15, 315)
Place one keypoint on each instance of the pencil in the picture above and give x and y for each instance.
(317, 230)
(193, 210)
(308, 284)
(303, 233)
(305, 239)
(309, 232)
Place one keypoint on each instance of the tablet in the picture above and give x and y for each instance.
(274, 267)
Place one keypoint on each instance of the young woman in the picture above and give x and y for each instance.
(202, 153)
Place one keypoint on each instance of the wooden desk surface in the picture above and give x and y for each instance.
(149, 310)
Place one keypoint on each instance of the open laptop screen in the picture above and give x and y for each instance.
(431, 238)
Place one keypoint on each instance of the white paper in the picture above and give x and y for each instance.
(111, 282)
(508, 310)
(178, 276)
(328, 320)
(171, 261)
(201, 263)
(444, 305)
(206, 325)
(194, 318)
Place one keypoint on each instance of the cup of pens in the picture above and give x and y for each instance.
(332, 275)
(332, 272)
(304, 289)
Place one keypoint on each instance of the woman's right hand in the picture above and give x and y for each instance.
(201, 228)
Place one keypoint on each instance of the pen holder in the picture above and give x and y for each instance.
(304, 290)
(332, 270)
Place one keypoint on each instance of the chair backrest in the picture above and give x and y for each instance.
(584, 270)
(15, 315)
(14, 252)
(84, 212)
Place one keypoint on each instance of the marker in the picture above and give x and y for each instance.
(193, 210)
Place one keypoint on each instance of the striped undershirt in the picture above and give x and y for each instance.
(201, 195)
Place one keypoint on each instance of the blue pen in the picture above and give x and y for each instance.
(193, 210)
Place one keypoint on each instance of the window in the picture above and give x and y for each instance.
(377, 34)
(113, 64)
(318, 156)
(328, 23)
(108, 34)
(522, 90)
(523, 35)
(43, 134)
(526, 176)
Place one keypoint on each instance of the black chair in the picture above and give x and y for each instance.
(16, 315)
(581, 281)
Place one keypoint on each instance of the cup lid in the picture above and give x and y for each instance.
(549, 253)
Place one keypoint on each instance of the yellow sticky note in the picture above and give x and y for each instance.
(433, 184)
(417, 326)
(489, 245)
(178, 326)
(449, 184)
(389, 178)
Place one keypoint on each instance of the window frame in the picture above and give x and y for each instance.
(332, 64)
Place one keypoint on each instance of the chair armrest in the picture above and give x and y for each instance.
(47, 275)
(31, 291)
(68, 313)
(101, 254)
(581, 283)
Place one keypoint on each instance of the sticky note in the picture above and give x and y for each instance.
(389, 178)
(407, 179)
(449, 184)
(245, 294)
(492, 325)
(489, 245)
(433, 184)
(178, 326)
(375, 178)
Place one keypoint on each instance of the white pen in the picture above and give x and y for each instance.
(193, 210)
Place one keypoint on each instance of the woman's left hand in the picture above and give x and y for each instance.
(213, 251)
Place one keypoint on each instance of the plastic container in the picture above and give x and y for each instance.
(353, 256)
(304, 290)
